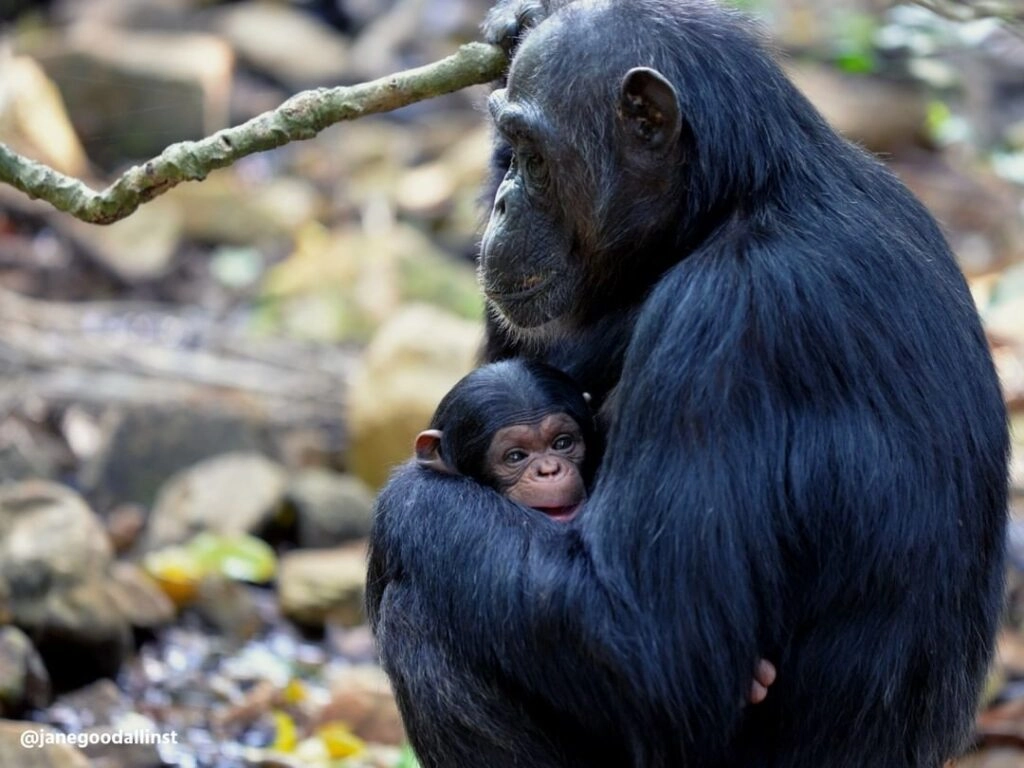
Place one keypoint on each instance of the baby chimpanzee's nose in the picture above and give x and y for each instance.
(549, 468)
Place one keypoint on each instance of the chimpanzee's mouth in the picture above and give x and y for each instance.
(561, 514)
(527, 289)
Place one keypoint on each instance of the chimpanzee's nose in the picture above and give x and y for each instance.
(549, 468)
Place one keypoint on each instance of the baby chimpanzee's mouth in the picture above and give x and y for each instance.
(561, 514)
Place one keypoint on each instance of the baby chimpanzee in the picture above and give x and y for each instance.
(526, 430)
(522, 428)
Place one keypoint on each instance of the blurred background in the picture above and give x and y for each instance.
(198, 403)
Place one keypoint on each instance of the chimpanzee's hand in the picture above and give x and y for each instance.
(764, 676)
(509, 19)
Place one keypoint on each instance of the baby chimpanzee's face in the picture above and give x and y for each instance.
(539, 464)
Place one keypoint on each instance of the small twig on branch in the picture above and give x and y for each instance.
(301, 117)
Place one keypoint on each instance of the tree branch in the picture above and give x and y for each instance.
(300, 117)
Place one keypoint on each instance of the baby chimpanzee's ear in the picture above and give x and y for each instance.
(428, 452)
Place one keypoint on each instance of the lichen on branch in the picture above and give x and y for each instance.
(302, 116)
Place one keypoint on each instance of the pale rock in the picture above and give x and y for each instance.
(231, 493)
(410, 364)
(315, 586)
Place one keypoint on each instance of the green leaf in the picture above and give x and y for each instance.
(856, 62)
(408, 758)
(237, 556)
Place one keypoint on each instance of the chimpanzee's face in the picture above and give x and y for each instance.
(540, 464)
(595, 157)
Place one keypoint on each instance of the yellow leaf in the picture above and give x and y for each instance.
(295, 692)
(176, 571)
(286, 735)
(339, 740)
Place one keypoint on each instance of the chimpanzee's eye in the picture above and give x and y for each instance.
(535, 169)
(515, 456)
(563, 443)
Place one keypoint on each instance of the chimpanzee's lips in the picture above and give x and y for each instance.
(527, 290)
(561, 514)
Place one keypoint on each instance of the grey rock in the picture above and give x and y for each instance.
(55, 561)
(24, 681)
(118, 83)
(232, 493)
(409, 365)
(315, 586)
(147, 444)
(331, 508)
(269, 35)
(47, 755)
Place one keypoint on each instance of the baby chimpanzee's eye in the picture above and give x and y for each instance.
(563, 443)
(515, 456)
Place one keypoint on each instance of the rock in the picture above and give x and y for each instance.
(48, 538)
(317, 585)
(100, 703)
(33, 120)
(138, 248)
(54, 560)
(24, 681)
(408, 367)
(225, 208)
(880, 114)
(80, 633)
(114, 755)
(362, 698)
(232, 493)
(25, 452)
(355, 645)
(343, 284)
(145, 445)
(124, 525)
(50, 754)
(130, 93)
(5, 603)
(369, 143)
(417, 30)
(268, 35)
(426, 191)
(131, 14)
(228, 607)
(138, 597)
(331, 508)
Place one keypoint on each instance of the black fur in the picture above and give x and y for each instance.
(807, 456)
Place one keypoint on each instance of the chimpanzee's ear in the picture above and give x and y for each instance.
(649, 107)
(428, 452)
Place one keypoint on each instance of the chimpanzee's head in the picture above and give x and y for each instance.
(635, 131)
(521, 427)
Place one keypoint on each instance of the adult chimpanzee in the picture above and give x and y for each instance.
(523, 428)
(806, 456)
